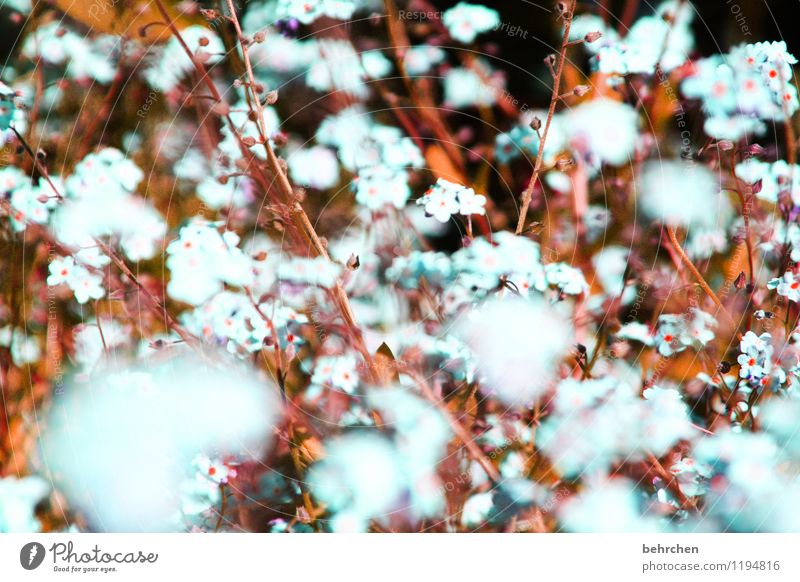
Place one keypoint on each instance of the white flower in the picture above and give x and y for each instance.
(682, 194)
(339, 67)
(598, 423)
(60, 271)
(86, 285)
(338, 371)
(464, 88)
(471, 203)
(636, 331)
(382, 186)
(477, 509)
(749, 366)
(421, 59)
(375, 64)
(318, 271)
(670, 329)
(314, 167)
(603, 131)
(787, 286)
(755, 361)
(441, 203)
(445, 198)
(465, 21)
(307, 11)
(512, 353)
(213, 469)
(234, 192)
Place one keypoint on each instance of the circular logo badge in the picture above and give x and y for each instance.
(31, 555)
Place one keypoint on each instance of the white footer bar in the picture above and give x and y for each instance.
(401, 557)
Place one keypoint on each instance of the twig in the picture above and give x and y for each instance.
(299, 218)
(156, 304)
(422, 100)
(671, 482)
(528, 193)
(472, 448)
(673, 236)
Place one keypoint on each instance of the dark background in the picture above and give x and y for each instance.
(715, 25)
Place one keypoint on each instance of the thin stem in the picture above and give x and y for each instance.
(421, 99)
(528, 193)
(156, 304)
(463, 435)
(671, 482)
(298, 216)
(673, 236)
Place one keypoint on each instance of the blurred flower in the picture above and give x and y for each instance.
(315, 167)
(611, 506)
(201, 260)
(18, 500)
(682, 194)
(105, 430)
(603, 131)
(169, 64)
(465, 21)
(516, 361)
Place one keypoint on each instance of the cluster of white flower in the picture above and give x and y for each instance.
(445, 199)
(600, 131)
(595, 343)
(99, 201)
(339, 67)
(202, 260)
(84, 280)
(675, 333)
(235, 322)
(755, 361)
(664, 39)
(338, 372)
(475, 86)
(380, 155)
(84, 58)
(30, 203)
(751, 84)
(319, 271)
(669, 197)
(597, 423)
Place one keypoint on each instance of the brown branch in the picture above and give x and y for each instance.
(673, 237)
(562, 55)
(463, 435)
(303, 226)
